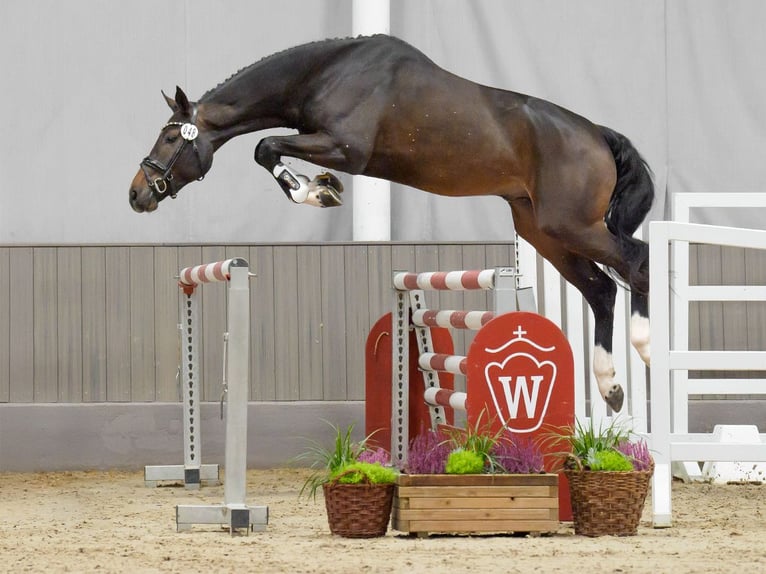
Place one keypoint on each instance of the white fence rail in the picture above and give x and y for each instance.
(669, 317)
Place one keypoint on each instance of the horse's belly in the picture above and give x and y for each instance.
(451, 176)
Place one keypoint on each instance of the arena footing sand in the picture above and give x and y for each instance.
(111, 522)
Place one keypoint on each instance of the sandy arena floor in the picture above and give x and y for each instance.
(110, 522)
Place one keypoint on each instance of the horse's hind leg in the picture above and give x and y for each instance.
(639, 324)
(325, 189)
(598, 289)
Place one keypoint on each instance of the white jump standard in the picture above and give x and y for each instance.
(234, 512)
(192, 472)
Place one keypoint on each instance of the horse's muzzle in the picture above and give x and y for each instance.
(141, 196)
(142, 200)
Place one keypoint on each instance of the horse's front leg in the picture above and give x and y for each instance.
(322, 191)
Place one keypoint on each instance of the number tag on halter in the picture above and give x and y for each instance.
(189, 132)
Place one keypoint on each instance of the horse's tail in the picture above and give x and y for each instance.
(630, 202)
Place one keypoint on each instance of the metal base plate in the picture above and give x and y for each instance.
(233, 516)
(207, 474)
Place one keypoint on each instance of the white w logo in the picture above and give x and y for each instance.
(521, 390)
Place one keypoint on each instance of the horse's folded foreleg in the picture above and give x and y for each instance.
(322, 191)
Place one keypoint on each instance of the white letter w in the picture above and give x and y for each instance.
(521, 388)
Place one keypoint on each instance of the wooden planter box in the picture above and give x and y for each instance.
(476, 503)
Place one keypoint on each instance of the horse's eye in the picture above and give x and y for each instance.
(171, 139)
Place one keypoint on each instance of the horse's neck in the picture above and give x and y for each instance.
(265, 95)
(245, 108)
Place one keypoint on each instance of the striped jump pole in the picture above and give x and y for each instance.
(234, 513)
(409, 300)
(446, 398)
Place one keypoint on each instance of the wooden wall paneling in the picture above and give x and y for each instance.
(167, 342)
(755, 274)
(214, 296)
(402, 259)
(711, 312)
(118, 344)
(262, 324)
(694, 308)
(142, 317)
(735, 312)
(45, 330)
(21, 313)
(94, 340)
(357, 318)
(5, 325)
(310, 340)
(286, 326)
(379, 280)
(335, 288)
(69, 308)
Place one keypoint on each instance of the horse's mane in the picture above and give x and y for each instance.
(267, 59)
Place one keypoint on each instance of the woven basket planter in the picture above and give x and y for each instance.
(358, 510)
(608, 503)
(476, 503)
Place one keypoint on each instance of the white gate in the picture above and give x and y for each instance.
(670, 440)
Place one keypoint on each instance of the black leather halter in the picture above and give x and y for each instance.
(164, 184)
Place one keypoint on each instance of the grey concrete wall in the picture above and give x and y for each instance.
(104, 436)
(132, 435)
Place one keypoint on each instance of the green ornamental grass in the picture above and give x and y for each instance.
(465, 462)
(364, 473)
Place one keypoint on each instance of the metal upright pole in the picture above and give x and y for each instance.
(238, 376)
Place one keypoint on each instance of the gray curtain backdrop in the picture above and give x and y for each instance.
(81, 104)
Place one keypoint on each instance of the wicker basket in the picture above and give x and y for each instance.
(358, 510)
(608, 503)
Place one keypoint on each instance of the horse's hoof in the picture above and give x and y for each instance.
(322, 192)
(329, 180)
(615, 397)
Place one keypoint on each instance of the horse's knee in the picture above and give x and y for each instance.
(639, 336)
(265, 153)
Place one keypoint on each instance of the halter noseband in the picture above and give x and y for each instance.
(164, 184)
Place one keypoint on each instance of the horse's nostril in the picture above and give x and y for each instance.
(133, 194)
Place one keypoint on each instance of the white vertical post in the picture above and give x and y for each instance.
(659, 321)
(372, 197)
(238, 367)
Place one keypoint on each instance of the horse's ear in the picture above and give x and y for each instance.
(171, 102)
(182, 101)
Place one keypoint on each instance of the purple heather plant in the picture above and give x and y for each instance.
(428, 453)
(637, 453)
(519, 455)
(379, 455)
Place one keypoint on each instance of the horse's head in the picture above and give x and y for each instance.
(181, 154)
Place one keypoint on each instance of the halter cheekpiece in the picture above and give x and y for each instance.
(164, 184)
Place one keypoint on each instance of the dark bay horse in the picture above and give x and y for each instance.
(379, 107)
